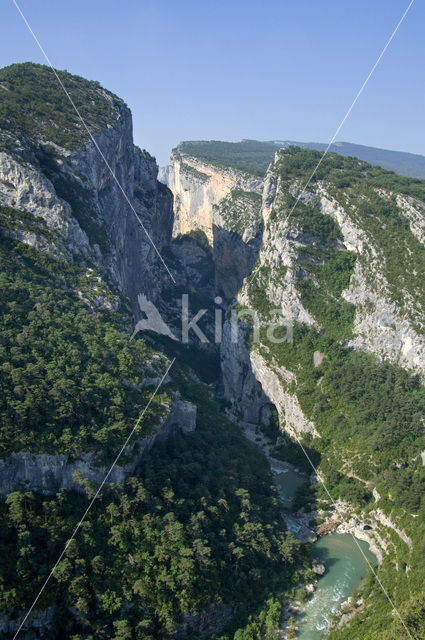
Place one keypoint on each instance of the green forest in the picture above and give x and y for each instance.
(249, 156)
(48, 115)
(369, 412)
(69, 374)
(199, 524)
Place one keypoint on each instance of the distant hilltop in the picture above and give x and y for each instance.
(254, 156)
(407, 164)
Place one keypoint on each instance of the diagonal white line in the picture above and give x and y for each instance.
(351, 107)
(138, 218)
(93, 499)
(354, 538)
(92, 138)
(371, 72)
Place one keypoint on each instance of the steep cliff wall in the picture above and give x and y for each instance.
(132, 261)
(198, 187)
(98, 205)
(49, 473)
(224, 203)
(386, 305)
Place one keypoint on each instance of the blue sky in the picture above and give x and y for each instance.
(237, 69)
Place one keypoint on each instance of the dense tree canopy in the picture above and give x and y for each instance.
(200, 523)
(69, 375)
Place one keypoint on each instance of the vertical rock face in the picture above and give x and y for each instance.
(196, 188)
(102, 197)
(135, 208)
(387, 308)
(94, 205)
(241, 387)
(224, 203)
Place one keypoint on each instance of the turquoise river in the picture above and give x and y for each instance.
(345, 559)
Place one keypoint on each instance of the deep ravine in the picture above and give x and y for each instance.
(342, 276)
(191, 531)
(346, 560)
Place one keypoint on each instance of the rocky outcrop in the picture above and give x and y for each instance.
(329, 526)
(198, 187)
(414, 211)
(274, 383)
(48, 473)
(25, 188)
(35, 627)
(103, 203)
(276, 266)
(205, 623)
(318, 568)
(386, 521)
(380, 326)
(224, 203)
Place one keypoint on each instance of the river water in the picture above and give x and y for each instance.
(346, 569)
(346, 566)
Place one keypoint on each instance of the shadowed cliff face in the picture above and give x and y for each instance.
(224, 203)
(233, 260)
(92, 201)
(341, 263)
(77, 378)
(132, 260)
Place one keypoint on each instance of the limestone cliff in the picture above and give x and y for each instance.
(224, 203)
(198, 186)
(102, 198)
(387, 319)
(49, 473)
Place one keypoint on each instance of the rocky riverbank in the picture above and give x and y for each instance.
(301, 612)
(344, 519)
(298, 523)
